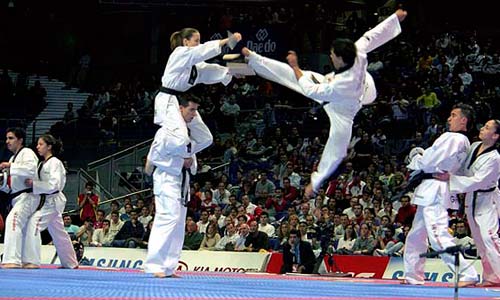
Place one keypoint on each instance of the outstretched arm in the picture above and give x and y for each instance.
(382, 33)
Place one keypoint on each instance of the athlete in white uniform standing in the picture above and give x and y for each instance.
(48, 185)
(432, 197)
(342, 92)
(173, 156)
(21, 165)
(182, 134)
(481, 173)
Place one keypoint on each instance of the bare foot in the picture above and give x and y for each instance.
(245, 51)
(463, 284)
(488, 284)
(30, 266)
(11, 266)
(309, 192)
(163, 275)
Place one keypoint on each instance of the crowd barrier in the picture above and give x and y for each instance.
(221, 261)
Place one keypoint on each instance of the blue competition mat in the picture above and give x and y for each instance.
(95, 284)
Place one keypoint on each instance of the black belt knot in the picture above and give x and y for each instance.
(14, 195)
(474, 197)
(43, 197)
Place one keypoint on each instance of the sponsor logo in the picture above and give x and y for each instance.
(263, 44)
(261, 34)
(216, 36)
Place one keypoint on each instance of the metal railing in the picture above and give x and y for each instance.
(111, 200)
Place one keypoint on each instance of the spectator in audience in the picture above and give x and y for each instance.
(102, 236)
(86, 231)
(192, 237)
(88, 203)
(264, 226)
(243, 234)
(406, 212)
(202, 224)
(256, 240)
(131, 233)
(114, 206)
(228, 241)
(389, 245)
(346, 243)
(116, 224)
(128, 211)
(71, 229)
(99, 219)
(298, 256)
(210, 238)
(365, 243)
(263, 188)
(145, 217)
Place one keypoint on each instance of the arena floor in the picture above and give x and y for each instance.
(94, 283)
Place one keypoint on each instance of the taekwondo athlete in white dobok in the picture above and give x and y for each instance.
(173, 156)
(432, 197)
(48, 185)
(21, 165)
(481, 173)
(342, 93)
(186, 68)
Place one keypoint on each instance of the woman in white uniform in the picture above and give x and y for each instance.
(480, 181)
(182, 134)
(342, 93)
(185, 68)
(47, 186)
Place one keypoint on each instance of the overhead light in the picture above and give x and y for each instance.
(11, 4)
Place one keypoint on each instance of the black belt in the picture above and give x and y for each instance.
(14, 195)
(170, 91)
(474, 197)
(413, 182)
(185, 172)
(43, 197)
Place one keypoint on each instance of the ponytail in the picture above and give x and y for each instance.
(177, 37)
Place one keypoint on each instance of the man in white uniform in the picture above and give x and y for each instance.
(342, 92)
(433, 198)
(173, 154)
(481, 173)
(21, 165)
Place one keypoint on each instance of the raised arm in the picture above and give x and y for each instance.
(382, 33)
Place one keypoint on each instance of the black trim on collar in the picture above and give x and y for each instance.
(475, 155)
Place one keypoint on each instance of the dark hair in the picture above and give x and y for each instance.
(185, 99)
(466, 111)
(18, 132)
(56, 144)
(177, 37)
(346, 49)
(497, 126)
(294, 231)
